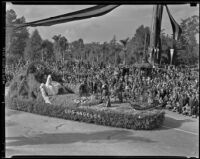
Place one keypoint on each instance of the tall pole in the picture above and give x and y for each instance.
(125, 55)
(124, 43)
(155, 30)
(172, 51)
(144, 53)
(171, 55)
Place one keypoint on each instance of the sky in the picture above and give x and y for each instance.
(121, 22)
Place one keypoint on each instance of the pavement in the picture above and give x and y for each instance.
(32, 134)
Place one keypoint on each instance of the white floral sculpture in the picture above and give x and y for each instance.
(50, 88)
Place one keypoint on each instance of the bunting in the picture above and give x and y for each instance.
(155, 32)
(175, 27)
(95, 11)
(156, 25)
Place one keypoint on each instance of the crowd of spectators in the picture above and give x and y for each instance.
(174, 88)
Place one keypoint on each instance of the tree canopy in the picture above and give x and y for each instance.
(34, 47)
(15, 40)
(20, 45)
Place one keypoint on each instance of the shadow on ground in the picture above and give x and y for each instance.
(10, 112)
(67, 138)
(10, 123)
(174, 123)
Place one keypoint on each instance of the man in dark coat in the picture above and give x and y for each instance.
(181, 104)
(194, 106)
(106, 93)
(83, 91)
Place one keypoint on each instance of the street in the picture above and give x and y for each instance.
(31, 134)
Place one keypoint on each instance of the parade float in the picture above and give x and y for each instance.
(26, 94)
(28, 91)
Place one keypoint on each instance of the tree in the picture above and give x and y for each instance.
(15, 39)
(187, 47)
(10, 20)
(78, 49)
(166, 44)
(118, 59)
(137, 46)
(105, 52)
(47, 51)
(33, 50)
(95, 55)
(87, 49)
(141, 38)
(60, 47)
(114, 49)
(81, 48)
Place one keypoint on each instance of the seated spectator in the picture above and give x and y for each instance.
(195, 107)
(175, 109)
(127, 92)
(186, 110)
(150, 99)
(180, 105)
(169, 105)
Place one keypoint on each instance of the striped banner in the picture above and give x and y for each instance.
(95, 11)
(156, 25)
(175, 27)
(155, 33)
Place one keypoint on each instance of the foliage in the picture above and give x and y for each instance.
(20, 48)
(12, 71)
(166, 43)
(34, 47)
(60, 47)
(189, 49)
(145, 120)
(186, 48)
(115, 48)
(47, 51)
(77, 49)
(137, 46)
(15, 39)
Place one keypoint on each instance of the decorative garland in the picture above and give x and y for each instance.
(140, 120)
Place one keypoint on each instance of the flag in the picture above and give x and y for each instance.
(175, 27)
(95, 11)
(156, 25)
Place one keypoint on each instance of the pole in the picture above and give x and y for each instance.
(171, 55)
(144, 55)
(124, 56)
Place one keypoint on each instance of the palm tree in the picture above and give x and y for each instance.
(124, 43)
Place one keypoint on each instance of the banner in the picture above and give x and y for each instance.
(175, 27)
(156, 25)
(95, 11)
(155, 31)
